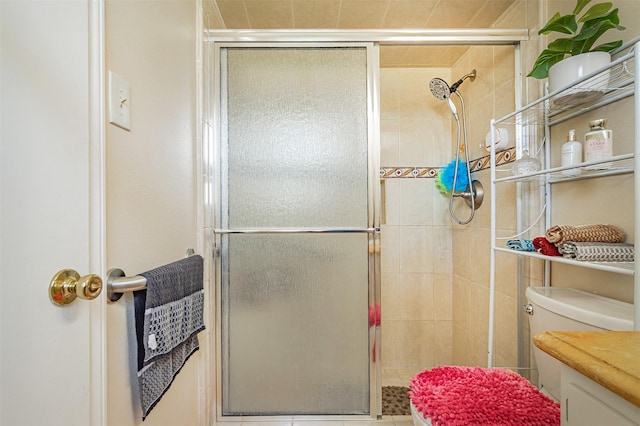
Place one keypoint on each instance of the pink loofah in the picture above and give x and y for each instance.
(456, 396)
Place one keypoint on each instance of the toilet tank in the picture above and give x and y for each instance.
(568, 309)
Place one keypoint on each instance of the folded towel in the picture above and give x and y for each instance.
(543, 246)
(598, 252)
(595, 233)
(169, 314)
(521, 245)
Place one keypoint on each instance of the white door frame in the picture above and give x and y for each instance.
(97, 210)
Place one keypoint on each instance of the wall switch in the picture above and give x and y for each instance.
(119, 102)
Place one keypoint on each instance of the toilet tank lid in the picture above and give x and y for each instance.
(588, 308)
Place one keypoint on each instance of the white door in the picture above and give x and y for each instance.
(50, 210)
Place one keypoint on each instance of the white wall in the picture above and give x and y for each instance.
(152, 175)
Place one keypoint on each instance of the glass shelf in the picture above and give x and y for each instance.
(624, 268)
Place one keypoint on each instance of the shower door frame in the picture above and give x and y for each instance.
(215, 38)
(372, 229)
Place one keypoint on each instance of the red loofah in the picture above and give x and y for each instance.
(456, 396)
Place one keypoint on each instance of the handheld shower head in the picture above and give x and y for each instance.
(440, 89)
(452, 106)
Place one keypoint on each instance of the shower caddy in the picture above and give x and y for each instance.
(533, 122)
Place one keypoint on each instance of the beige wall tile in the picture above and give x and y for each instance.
(391, 290)
(420, 338)
(504, 69)
(515, 16)
(390, 248)
(443, 297)
(389, 93)
(442, 253)
(415, 202)
(393, 343)
(490, 12)
(461, 303)
(235, 13)
(393, 201)
(416, 250)
(315, 13)
(460, 250)
(506, 273)
(453, 13)
(478, 312)
(354, 14)
(274, 14)
(414, 148)
(480, 256)
(506, 330)
(389, 143)
(412, 14)
(393, 56)
(443, 343)
(417, 297)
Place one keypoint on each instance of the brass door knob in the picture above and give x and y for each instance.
(67, 284)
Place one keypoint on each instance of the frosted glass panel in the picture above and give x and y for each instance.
(297, 137)
(294, 142)
(297, 325)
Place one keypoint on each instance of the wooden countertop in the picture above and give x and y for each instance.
(610, 358)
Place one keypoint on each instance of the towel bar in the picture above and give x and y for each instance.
(118, 282)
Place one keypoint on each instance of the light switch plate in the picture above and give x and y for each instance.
(119, 102)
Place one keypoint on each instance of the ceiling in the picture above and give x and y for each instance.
(371, 15)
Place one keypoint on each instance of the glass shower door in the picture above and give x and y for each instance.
(294, 227)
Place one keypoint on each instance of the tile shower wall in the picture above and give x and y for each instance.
(491, 95)
(435, 275)
(416, 233)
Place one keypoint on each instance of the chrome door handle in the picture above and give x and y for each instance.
(67, 284)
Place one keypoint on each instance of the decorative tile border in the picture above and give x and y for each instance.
(482, 163)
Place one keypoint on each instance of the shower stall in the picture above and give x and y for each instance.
(296, 229)
(295, 129)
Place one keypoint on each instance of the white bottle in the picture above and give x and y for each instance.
(571, 154)
(598, 143)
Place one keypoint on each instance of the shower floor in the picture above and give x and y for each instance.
(395, 401)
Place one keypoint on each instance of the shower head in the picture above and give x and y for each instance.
(440, 89)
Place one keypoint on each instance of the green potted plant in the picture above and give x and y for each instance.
(584, 31)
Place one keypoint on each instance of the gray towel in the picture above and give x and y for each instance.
(169, 314)
(597, 252)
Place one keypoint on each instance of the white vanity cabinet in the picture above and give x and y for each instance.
(585, 402)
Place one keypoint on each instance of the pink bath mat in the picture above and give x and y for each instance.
(457, 395)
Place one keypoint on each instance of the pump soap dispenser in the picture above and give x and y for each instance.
(571, 154)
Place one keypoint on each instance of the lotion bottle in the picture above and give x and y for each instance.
(571, 154)
(598, 143)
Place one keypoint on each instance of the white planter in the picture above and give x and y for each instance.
(567, 71)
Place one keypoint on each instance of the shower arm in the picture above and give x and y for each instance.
(471, 76)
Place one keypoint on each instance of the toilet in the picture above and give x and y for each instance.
(568, 309)
(550, 308)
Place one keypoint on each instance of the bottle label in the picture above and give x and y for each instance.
(598, 145)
